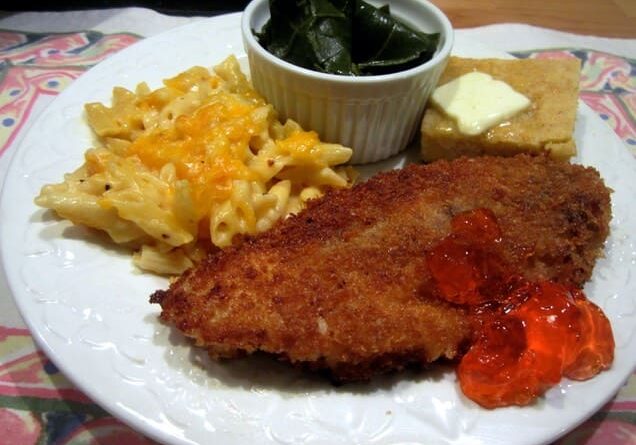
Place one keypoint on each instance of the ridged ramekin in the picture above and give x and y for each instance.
(377, 116)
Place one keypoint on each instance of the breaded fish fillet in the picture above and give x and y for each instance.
(344, 285)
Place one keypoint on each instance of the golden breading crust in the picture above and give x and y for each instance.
(344, 286)
(547, 126)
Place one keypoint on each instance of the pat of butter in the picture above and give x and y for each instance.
(478, 102)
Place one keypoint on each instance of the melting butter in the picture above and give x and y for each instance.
(478, 102)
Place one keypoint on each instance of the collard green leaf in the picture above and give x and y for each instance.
(313, 34)
(384, 44)
(283, 35)
(329, 34)
(348, 37)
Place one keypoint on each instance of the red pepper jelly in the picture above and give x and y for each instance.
(528, 335)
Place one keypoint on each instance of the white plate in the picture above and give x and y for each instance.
(88, 307)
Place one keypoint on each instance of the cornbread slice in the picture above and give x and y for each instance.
(547, 125)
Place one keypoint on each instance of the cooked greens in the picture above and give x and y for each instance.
(348, 37)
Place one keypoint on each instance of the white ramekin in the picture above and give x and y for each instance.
(377, 116)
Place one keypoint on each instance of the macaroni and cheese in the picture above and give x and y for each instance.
(202, 159)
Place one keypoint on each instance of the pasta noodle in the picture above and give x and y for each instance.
(200, 160)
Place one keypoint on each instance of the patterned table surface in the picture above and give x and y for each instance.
(38, 405)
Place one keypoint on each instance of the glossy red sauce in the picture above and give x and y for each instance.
(528, 335)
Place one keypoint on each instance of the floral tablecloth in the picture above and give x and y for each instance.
(38, 405)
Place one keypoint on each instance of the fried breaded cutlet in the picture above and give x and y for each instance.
(344, 286)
